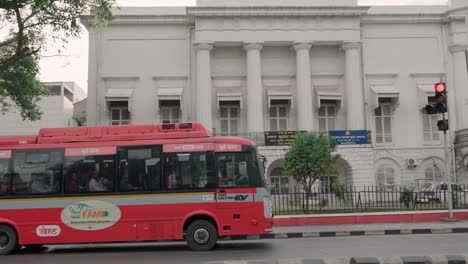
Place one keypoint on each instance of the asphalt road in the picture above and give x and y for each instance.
(174, 253)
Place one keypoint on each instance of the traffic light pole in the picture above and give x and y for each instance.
(447, 174)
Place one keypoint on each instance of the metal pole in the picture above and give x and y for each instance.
(447, 174)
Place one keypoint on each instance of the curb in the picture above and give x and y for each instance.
(367, 218)
(450, 259)
(387, 232)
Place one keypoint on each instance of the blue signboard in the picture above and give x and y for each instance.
(350, 137)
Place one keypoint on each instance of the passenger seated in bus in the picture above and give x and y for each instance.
(5, 185)
(105, 180)
(94, 185)
(242, 180)
(83, 178)
(223, 179)
(39, 184)
(18, 185)
(73, 185)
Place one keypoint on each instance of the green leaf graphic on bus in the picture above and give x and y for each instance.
(91, 215)
(77, 209)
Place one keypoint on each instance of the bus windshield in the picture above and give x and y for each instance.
(259, 164)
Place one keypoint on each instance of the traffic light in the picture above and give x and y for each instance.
(443, 125)
(439, 105)
(441, 97)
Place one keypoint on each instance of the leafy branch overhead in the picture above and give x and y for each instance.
(25, 26)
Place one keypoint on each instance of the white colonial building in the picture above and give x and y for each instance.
(57, 111)
(243, 67)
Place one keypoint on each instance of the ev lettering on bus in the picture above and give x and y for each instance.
(232, 197)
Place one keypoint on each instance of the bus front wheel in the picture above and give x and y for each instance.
(201, 235)
(8, 240)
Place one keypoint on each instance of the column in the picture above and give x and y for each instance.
(254, 88)
(354, 87)
(305, 118)
(460, 88)
(93, 112)
(204, 91)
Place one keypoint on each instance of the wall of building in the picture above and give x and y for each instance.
(57, 112)
(405, 48)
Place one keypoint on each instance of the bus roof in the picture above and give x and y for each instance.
(110, 133)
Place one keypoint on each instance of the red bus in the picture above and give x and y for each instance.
(157, 182)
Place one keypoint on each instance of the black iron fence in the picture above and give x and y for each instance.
(368, 199)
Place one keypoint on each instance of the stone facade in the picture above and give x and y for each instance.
(244, 67)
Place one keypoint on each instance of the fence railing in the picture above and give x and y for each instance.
(366, 199)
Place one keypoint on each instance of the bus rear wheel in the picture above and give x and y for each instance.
(8, 240)
(201, 235)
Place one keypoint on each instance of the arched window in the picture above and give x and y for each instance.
(433, 173)
(278, 182)
(385, 176)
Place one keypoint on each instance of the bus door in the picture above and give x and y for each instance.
(233, 180)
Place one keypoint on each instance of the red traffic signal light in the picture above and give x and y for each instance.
(439, 87)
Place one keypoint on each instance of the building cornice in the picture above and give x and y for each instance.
(228, 76)
(396, 18)
(424, 74)
(170, 77)
(120, 78)
(381, 75)
(411, 18)
(152, 19)
(351, 45)
(277, 11)
(295, 11)
(457, 48)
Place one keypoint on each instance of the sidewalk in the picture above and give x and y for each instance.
(371, 227)
(367, 230)
(339, 230)
(361, 230)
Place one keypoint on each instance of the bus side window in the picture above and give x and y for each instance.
(188, 171)
(37, 172)
(140, 169)
(233, 170)
(4, 176)
(89, 174)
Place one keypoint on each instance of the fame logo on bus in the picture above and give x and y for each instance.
(91, 215)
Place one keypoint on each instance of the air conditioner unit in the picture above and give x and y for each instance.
(412, 163)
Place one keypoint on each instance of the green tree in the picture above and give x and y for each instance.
(79, 121)
(311, 155)
(25, 26)
(19, 86)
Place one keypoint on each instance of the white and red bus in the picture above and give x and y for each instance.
(157, 182)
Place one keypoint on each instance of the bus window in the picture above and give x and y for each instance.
(233, 169)
(37, 172)
(186, 171)
(140, 169)
(4, 176)
(85, 174)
